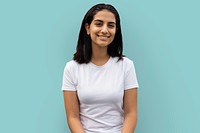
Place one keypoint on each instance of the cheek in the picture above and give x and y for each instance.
(113, 36)
(93, 30)
(113, 32)
(93, 37)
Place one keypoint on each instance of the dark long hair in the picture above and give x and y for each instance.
(84, 48)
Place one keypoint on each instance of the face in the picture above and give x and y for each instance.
(102, 28)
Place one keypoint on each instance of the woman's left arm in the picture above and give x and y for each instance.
(130, 110)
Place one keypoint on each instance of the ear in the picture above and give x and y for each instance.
(87, 28)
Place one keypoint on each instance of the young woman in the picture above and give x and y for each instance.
(100, 84)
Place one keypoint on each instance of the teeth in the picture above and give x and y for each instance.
(103, 36)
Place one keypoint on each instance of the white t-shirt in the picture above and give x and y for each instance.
(100, 90)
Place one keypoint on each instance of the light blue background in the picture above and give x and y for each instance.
(37, 38)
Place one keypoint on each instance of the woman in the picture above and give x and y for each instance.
(100, 84)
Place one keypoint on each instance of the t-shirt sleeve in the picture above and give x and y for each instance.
(130, 77)
(69, 78)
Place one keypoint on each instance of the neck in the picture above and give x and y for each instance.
(99, 55)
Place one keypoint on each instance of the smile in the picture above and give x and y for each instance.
(101, 36)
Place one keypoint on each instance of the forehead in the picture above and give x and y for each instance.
(105, 15)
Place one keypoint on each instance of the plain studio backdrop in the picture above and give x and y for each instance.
(38, 37)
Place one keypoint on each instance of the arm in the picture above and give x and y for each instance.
(130, 110)
(72, 111)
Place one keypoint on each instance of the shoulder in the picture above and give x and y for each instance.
(124, 64)
(128, 64)
(126, 60)
(123, 59)
(71, 65)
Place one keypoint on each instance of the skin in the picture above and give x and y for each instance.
(130, 110)
(72, 111)
(102, 32)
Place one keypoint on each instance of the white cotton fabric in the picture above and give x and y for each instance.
(100, 90)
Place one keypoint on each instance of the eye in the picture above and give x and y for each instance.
(98, 24)
(111, 25)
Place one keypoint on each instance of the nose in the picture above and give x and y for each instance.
(104, 29)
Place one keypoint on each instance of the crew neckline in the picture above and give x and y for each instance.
(102, 66)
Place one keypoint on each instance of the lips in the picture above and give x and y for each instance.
(103, 36)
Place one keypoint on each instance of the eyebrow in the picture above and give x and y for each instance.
(98, 20)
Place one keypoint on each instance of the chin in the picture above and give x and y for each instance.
(103, 45)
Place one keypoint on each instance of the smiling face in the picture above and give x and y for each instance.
(102, 28)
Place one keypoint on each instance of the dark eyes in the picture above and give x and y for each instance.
(111, 25)
(98, 24)
(101, 24)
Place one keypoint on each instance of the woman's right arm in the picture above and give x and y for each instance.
(72, 111)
